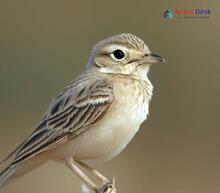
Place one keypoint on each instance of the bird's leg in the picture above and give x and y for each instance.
(70, 163)
(94, 172)
(108, 187)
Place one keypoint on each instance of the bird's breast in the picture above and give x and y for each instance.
(132, 97)
(111, 135)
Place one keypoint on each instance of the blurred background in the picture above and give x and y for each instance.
(46, 44)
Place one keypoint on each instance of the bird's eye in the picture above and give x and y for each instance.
(118, 55)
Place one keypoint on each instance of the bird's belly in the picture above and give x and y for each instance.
(107, 139)
(106, 142)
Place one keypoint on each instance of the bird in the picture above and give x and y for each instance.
(95, 116)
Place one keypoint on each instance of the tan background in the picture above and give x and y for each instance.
(44, 44)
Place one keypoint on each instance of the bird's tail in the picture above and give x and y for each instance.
(13, 171)
(6, 175)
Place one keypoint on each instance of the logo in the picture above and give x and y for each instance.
(168, 14)
(187, 13)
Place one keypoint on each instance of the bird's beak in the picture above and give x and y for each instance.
(151, 59)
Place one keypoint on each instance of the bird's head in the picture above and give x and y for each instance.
(123, 54)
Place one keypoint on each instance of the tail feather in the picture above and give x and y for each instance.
(14, 171)
(5, 175)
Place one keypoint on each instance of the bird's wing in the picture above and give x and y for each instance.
(78, 107)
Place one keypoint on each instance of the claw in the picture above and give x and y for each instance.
(108, 187)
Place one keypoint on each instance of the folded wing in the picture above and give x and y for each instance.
(82, 104)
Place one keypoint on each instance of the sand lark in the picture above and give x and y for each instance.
(96, 116)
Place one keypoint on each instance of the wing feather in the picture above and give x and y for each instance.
(71, 113)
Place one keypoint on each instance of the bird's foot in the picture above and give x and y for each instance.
(108, 187)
